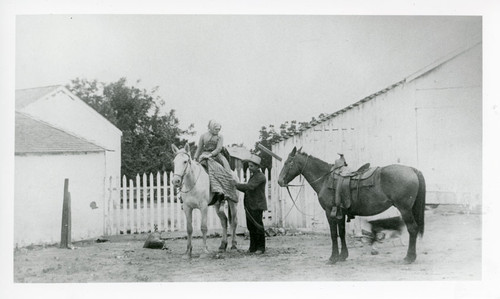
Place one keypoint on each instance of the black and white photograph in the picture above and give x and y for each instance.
(305, 148)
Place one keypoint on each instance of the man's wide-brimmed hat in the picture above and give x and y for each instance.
(253, 158)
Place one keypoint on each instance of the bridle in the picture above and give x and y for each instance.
(184, 173)
(302, 185)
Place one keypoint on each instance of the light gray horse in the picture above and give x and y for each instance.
(194, 185)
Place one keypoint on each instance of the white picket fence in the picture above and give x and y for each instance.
(140, 206)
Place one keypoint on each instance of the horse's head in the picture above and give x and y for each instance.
(182, 162)
(292, 168)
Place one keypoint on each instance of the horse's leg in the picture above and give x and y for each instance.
(189, 224)
(219, 208)
(204, 229)
(234, 223)
(412, 227)
(333, 234)
(344, 252)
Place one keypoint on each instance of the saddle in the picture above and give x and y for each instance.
(346, 185)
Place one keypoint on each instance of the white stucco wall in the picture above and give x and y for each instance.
(75, 116)
(39, 189)
(432, 122)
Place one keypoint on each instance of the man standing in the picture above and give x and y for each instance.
(255, 204)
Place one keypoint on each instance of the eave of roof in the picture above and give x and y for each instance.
(24, 97)
(34, 136)
(412, 77)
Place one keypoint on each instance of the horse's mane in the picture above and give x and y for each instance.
(312, 157)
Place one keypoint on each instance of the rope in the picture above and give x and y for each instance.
(260, 227)
(295, 205)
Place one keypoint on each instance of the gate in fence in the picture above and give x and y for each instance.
(137, 206)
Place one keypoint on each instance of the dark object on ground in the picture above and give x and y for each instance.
(384, 229)
(154, 242)
(395, 224)
(101, 240)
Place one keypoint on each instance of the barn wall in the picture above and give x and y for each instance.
(449, 126)
(432, 122)
(39, 186)
(75, 116)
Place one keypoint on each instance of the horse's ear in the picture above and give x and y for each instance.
(293, 151)
(300, 149)
(186, 148)
(174, 148)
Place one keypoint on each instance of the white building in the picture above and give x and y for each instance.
(59, 136)
(431, 120)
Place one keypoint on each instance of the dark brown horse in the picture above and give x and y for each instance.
(395, 185)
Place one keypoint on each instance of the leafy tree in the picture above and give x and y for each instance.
(147, 134)
(268, 136)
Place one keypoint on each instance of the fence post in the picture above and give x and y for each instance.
(145, 203)
(133, 216)
(167, 208)
(109, 207)
(124, 209)
(168, 201)
(66, 217)
(152, 198)
(139, 204)
(115, 199)
(158, 201)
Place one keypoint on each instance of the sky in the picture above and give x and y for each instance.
(245, 71)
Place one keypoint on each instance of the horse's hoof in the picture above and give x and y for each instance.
(332, 261)
(343, 256)
(223, 246)
(374, 252)
(409, 259)
(234, 247)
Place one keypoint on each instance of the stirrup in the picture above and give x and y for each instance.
(215, 198)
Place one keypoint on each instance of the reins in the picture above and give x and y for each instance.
(302, 185)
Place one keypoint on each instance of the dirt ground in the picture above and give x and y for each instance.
(450, 250)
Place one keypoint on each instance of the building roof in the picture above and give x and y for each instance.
(239, 152)
(24, 97)
(35, 136)
(411, 77)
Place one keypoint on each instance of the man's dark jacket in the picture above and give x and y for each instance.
(255, 192)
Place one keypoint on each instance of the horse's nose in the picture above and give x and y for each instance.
(176, 181)
(281, 182)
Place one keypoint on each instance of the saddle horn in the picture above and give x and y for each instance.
(340, 160)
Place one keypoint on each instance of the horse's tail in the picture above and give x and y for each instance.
(419, 205)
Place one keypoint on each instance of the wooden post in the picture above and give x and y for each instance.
(66, 218)
(269, 152)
